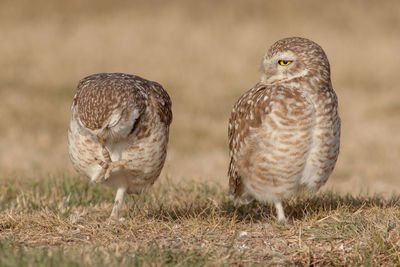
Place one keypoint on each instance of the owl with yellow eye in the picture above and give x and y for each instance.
(284, 133)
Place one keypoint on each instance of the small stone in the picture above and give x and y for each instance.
(243, 234)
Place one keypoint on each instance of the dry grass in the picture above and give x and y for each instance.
(62, 221)
(205, 53)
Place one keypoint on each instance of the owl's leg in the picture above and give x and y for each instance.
(108, 165)
(280, 213)
(119, 201)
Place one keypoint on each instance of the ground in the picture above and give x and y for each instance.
(206, 54)
(64, 222)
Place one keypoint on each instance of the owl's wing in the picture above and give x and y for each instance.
(248, 112)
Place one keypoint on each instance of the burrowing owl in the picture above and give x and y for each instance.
(118, 132)
(284, 133)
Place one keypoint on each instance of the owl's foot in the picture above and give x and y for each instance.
(280, 213)
(107, 168)
(107, 165)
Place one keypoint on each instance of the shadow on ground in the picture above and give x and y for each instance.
(298, 208)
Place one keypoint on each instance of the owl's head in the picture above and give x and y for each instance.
(294, 57)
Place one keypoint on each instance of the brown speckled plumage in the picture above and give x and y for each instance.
(119, 131)
(284, 133)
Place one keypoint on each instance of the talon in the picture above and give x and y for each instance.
(108, 168)
(108, 165)
(107, 174)
(99, 181)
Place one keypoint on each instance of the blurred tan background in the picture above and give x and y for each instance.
(206, 54)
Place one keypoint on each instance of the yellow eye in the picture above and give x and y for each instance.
(284, 62)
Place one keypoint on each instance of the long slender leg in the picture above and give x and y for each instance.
(119, 201)
(280, 213)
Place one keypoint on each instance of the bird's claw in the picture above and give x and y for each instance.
(107, 165)
(107, 168)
